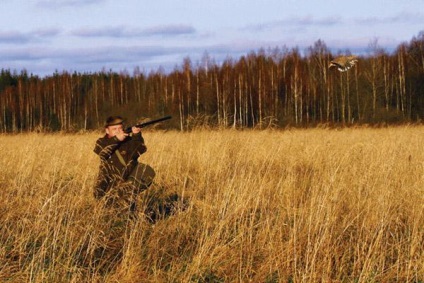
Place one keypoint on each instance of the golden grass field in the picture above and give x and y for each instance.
(311, 205)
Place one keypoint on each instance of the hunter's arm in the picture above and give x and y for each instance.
(105, 147)
(138, 137)
(138, 145)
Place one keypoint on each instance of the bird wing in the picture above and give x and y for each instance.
(343, 63)
(351, 61)
(334, 63)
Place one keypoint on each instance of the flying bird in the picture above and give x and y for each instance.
(343, 63)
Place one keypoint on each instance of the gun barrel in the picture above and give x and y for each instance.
(145, 124)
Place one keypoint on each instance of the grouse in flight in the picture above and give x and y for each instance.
(343, 63)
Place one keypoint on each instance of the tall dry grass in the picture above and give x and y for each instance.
(314, 205)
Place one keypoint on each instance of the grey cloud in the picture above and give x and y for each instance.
(310, 21)
(124, 32)
(87, 55)
(13, 37)
(414, 18)
(16, 37)
(115, 54)
(25, 54)
(298, 22)
(45, 61)
(54, 4)
(170, 30)
(47, 32)
(101, 32)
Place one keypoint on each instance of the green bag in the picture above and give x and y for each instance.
(142, 176)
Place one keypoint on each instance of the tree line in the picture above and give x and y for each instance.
(274, 87)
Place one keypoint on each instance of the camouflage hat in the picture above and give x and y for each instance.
(114, 120)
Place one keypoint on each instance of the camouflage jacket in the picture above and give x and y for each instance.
(117, 159)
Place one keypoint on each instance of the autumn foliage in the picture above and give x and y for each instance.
(277, 87)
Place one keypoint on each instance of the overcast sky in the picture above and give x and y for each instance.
(43, 36)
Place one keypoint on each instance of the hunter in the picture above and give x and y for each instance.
(119, 167)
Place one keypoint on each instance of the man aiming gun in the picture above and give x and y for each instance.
(119, 151)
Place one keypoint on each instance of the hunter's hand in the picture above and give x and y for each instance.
(135, 130)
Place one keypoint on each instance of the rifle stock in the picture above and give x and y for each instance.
(145, 124)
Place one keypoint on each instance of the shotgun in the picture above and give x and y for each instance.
(145, 124)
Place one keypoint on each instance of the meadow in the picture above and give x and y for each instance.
(294, 205)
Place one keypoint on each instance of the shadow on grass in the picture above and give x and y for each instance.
(157, 203)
